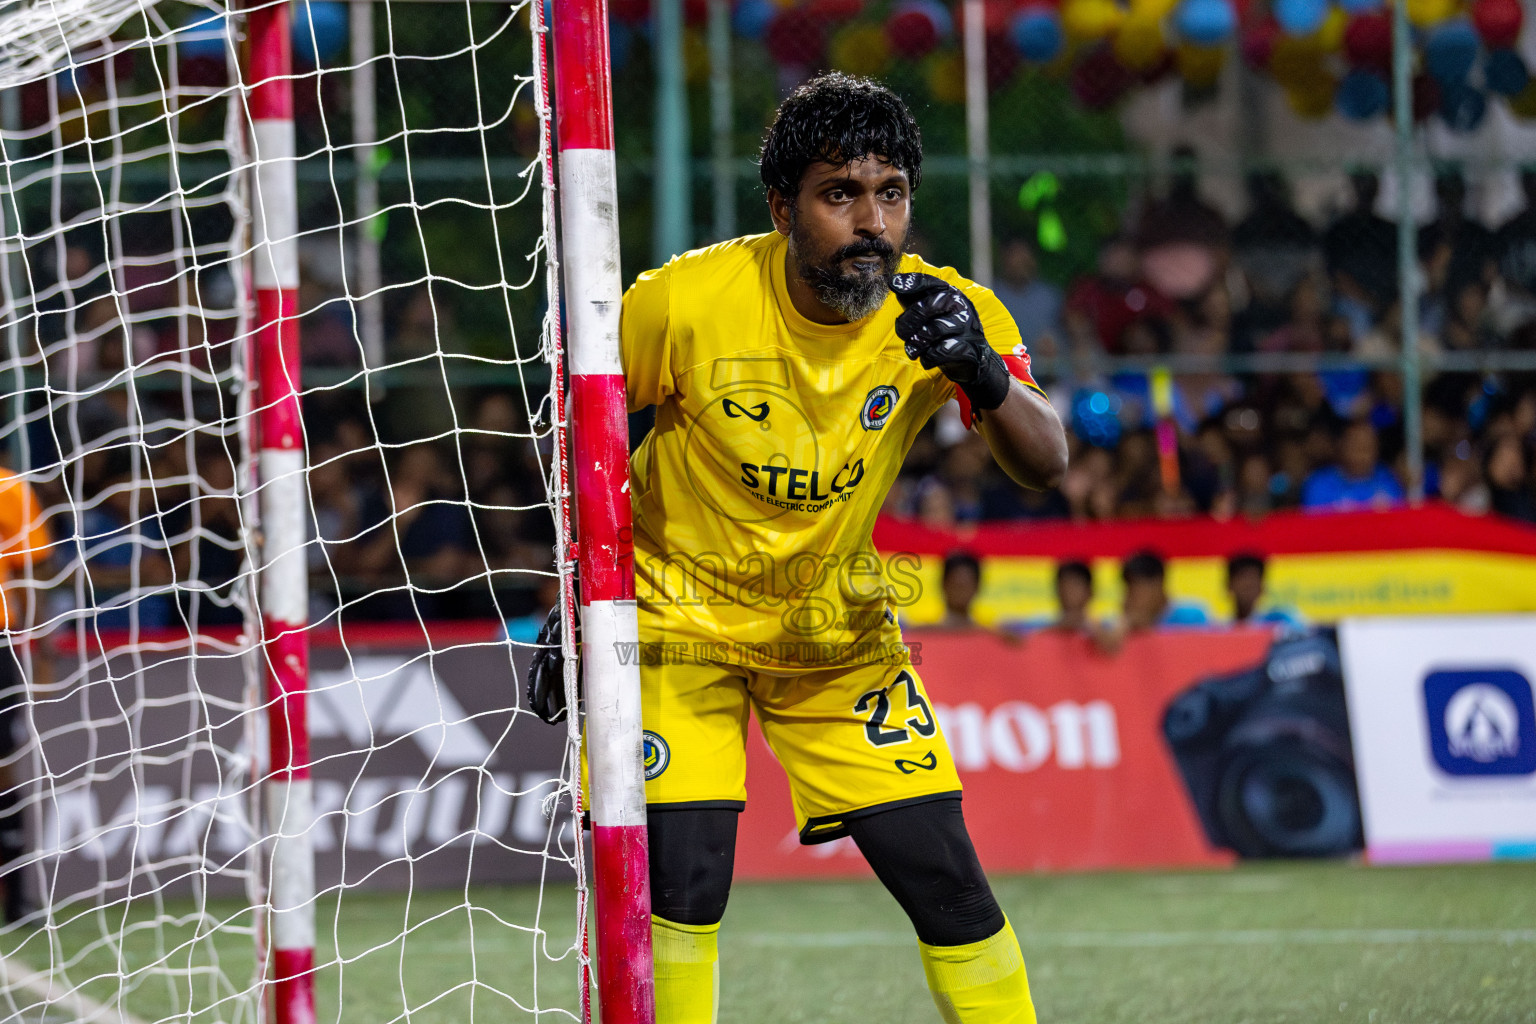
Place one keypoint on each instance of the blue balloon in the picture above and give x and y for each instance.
(1301, 17)
(319, 31)
(1505, 73)
(1206, 22)
(1462, 108)
(1450, 51)
(1363, 95)
(1361, 6)
(1037, 34)
(203, 35)
(752, 17)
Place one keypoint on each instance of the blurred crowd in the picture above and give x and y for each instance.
(1184, 282)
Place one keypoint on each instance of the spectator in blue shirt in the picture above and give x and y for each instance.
(1245, 582)
(1035, 304)
(1358, 481)
(1147, 605)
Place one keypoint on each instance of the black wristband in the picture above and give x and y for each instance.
(990, 389)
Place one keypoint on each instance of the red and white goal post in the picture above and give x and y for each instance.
(202, 808)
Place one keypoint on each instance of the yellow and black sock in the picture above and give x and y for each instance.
(687, 971)
(980, 982)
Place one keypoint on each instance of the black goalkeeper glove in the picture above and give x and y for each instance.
(546, 673)
(942, 330)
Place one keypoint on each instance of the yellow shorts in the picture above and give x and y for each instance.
(853, 740)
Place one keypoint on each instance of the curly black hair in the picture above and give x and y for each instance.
(837, 118)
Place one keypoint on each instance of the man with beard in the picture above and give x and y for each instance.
(791, 372)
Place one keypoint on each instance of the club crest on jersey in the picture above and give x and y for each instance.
(878, 406)
(657, 754)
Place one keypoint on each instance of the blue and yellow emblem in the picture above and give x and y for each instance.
(878, 406)
(657, 755)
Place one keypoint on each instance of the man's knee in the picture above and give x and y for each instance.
(923, 855)
(693, 851)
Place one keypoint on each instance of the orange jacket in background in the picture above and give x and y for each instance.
(24, 539)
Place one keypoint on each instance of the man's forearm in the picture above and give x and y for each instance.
(1026, 438)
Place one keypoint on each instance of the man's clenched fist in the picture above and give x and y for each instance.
(942, 331)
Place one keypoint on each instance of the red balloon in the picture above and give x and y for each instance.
(1368, 41)
(695, 12)
(998, 15)
(1498, 22)
(833, 11)
(1259, 42)
(1099, 79)
(912, 33)
(795, 37)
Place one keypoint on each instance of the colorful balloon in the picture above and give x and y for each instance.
(861, 50)
(1201, 66)
(203, 36)
(1424, 13)
(752, 18)
(794, 38)
(1505, 73)
(1086, 20)
(319, 31)
(945, 75)
(1363, 95)
(1037, 33)
(1498, 22)
(835, 11)
(1099, 80)
(1312, 99)
(1368, 41)
(1139, 44)
(1450, 51)
(1300, 17)
(916, 27)
(1330, 36)
(1361, 6)
(1206, 22)
(1259, 43)
(1524, 105)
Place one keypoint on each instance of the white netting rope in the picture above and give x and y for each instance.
(444, 816)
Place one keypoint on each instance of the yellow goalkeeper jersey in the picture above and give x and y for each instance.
(776, 442)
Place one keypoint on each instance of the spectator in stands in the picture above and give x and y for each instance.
(427, 534)
(1358, 480)
(961, 583)
(1146, 605)
(1276, 249)
(1453, 246)
(1101, 307)
(1245, 584)
(1515, 241)
(1074, 593)
(1181, 238)
(1034, 304)
(1506, 467)
(1360, 250)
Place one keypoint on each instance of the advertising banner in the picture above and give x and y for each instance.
(1427, 561)
(422, 772)
(1444, 729)
(1060, 750)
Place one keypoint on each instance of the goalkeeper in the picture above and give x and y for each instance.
(791, 371)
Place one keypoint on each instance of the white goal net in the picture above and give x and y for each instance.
(136, 843)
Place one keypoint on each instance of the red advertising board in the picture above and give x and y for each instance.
(1059, 747)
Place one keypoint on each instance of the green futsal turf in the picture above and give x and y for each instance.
(1261, 943)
